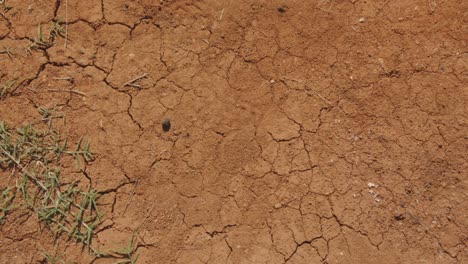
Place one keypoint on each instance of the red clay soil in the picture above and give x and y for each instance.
(321, 131)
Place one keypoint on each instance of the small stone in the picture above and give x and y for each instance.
(399, 217)
(166, 124)
(278, 205)
(372, 185)
(272, 81)
(362, 19)
(281, 9)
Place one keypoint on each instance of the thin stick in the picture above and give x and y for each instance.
(131, 195)
(67, 91)
(130, 83)
(63, 78)
(12, 173)
(146, 217)
(432, 5)
(134, 85)
(316, 93)
(417, 221)
(66, 23)
(222, 13)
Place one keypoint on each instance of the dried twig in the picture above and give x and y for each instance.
(301, 82)
(131, 82)
(416, 220)
(148, 214)
(67, 91)
(64, 78)
(134, 85)
(131, 195)
(315, 92)
(221, 15)
(66, 23)
(432, 5)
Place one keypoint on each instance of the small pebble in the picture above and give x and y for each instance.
(399, 217)
(362, 19)
(281, 9)
(166, 124)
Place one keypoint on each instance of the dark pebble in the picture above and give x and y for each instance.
(166, 124)
(281, 9)
(399, 217)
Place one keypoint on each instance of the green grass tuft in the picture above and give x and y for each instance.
(8, 51)
(68, 207)
(46, 40)
(63, 207)
(6, 87)
(6, 200)
(4, 7)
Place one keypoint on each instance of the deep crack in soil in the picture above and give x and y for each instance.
(319, 131)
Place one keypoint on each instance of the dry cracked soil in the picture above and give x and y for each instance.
(302, 131)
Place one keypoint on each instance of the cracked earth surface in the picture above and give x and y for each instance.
(329, 132)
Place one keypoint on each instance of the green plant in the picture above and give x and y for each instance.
(81, 151)
(67, 207)
(42, 41)
(5, 87)
(4, 7)
(8, 52)
(63, 207)
(49, 114)
(52, 259)
(56, 30)
(128, 252)
(6, 199)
